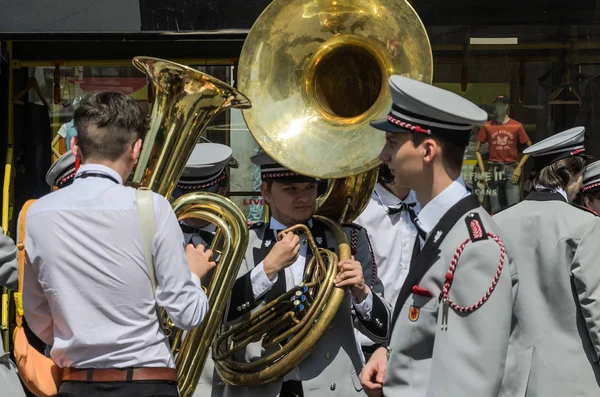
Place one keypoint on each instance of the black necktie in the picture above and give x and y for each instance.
(395, 209)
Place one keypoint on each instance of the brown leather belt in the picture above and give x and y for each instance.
(118, 375)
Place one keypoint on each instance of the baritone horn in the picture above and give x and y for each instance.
(185, 102)
(317, 73)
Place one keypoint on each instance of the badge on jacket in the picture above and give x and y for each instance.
(413, 313)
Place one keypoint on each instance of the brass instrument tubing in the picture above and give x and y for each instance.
(348, 201)
(300, 331)
(275, 314)
(213, 246)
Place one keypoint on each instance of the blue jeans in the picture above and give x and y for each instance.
(503, 193)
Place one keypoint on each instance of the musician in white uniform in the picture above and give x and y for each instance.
(389, 222)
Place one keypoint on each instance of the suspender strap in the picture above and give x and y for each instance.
(145, 206)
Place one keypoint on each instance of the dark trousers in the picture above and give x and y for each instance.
(138, 388)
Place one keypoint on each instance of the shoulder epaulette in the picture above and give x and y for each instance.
(586, 209)
(475, 227)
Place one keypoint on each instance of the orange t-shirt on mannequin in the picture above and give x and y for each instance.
(503, 140)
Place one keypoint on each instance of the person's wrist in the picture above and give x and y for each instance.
(388, 351)
(360, 292)
(269, 268)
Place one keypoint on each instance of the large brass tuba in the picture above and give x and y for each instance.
(185, 102)
(317, 74)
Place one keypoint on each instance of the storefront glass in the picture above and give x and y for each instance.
(547, 73)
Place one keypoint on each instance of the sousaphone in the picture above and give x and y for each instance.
(317, 73)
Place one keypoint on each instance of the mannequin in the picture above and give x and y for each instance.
(504, 173)
(66, 132)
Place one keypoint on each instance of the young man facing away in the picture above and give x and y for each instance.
(87, 290)
(555, 348)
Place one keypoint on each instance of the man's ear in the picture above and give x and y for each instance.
(75, 148)
(430, 149)
(265, 192)
(137, 148)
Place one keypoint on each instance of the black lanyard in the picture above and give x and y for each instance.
(87, 174)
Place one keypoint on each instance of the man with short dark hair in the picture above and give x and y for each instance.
(452, 317)
(87, 288)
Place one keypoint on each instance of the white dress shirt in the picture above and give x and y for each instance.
(294, 274)
(87, 290)
(392, 238)
(433, 211)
